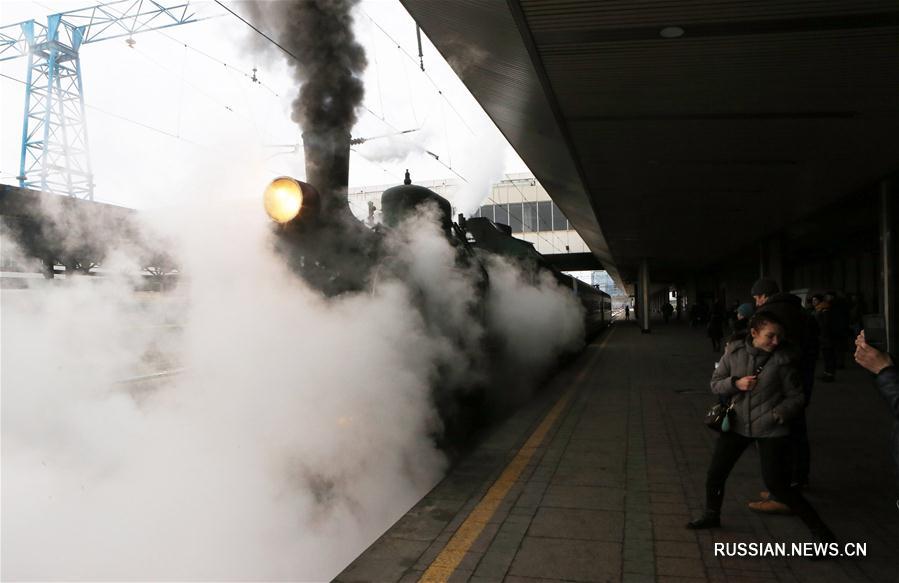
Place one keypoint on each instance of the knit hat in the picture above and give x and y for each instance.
(765, 287)
(746, 310)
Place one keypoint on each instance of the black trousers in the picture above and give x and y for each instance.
(774, 453)
(801, 450)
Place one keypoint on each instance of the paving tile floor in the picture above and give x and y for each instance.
(607, 494)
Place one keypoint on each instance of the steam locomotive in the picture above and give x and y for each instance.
(336, 253)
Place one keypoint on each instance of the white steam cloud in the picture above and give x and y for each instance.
(537, 319)
(300, 429)
(482, 162)
(397, 148)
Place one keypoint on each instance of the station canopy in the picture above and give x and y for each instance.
(682, 131)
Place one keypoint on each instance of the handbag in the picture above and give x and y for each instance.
(718, 416)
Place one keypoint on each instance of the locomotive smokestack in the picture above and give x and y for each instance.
(328, 63)
(328, 166)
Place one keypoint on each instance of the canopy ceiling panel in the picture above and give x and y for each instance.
(680, 131)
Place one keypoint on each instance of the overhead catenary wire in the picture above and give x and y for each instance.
(293, 56)
(183, 79)
(409, 93)
(129, 120)
(181, 91)
(378, 74)
(177, 135)
(267, 37)
(193, 86)
(425, 73)
(488, 198)
(370, 161)
(382, 118)
(384, 169)
(444, 99)
(187, 47)
(249, 76)
(400, 132)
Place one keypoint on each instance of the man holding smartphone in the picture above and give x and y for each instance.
(887, 380)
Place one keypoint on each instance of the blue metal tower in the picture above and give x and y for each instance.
(55, 156)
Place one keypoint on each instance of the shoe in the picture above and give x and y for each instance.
(707, 520)
(770, 506)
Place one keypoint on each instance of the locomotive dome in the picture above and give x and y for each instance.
(397, 202)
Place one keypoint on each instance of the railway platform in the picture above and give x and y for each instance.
(595, 479)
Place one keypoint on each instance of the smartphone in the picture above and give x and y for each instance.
(875, 331)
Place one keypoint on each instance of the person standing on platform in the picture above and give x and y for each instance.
(715, 329)
(824, 317)
(887, 380)
(761, 381)
(741, 325)
(667, 310)
(627, 312)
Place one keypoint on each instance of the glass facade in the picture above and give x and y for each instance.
(526, 217)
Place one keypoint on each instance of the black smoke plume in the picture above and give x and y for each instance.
(325, 57)
(328, 62)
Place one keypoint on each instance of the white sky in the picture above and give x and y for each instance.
(196, 131)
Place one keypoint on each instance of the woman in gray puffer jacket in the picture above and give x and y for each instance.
(763, 384)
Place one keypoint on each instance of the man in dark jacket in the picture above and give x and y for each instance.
(786, 307)
(887, 380)
(667, 310)
(802, 338)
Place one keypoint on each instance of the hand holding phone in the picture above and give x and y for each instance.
(875, 331)
(747, 383)
(869, 357)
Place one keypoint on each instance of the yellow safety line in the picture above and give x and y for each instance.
(452, 554)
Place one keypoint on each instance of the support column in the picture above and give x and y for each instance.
(644, 296)
(887, 256)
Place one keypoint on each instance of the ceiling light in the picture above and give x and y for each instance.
(671, 32)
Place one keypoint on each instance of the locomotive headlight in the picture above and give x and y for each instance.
(283, 199)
